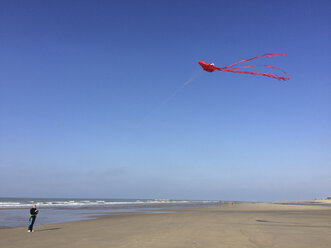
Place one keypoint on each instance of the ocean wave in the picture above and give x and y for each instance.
(86, 203)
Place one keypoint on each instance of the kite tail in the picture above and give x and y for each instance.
(267, 55)
(261, 74)
(231, 68)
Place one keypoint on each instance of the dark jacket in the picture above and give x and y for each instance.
(33, 211)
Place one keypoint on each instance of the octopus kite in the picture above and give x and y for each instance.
(232, 68)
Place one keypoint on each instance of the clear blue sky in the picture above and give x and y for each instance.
(86, 107)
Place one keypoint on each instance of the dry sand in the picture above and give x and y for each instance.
(239, 225)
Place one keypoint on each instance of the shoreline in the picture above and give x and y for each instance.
(17, 217)
(229, 225)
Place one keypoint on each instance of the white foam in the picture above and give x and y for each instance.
(86, 203)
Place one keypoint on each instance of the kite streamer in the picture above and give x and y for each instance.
(232, 68)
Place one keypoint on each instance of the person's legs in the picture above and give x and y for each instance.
(31, 222)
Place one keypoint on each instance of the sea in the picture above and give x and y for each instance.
(14, 212)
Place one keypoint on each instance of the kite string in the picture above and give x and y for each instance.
(187, 82)
(167, 100)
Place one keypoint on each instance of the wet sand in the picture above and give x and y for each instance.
(230, 225)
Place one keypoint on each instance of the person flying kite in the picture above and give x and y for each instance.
(232, 68)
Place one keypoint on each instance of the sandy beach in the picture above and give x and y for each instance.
(230, 225)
